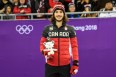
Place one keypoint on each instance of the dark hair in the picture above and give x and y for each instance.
(20, 3)
(8, 5)
(108, 1)
(53, 20)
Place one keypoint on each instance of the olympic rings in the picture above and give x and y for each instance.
(24, 29)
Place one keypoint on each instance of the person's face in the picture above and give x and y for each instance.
(87, 1)
(22, 1)
(8, 9)
(15, 1)
(4, 0)
(72, 8)
(87, 9)
(59, 14)
(108, 6)
(95, 0)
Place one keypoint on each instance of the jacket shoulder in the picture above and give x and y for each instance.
(48, 26)
(70, 27)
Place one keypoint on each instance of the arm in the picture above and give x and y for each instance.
(43, 39)
(28, 10)
(16, 10)
(51, 3)
(42, 47)
(74, 48)
(2, 10)
(75, 56)
(47, 53)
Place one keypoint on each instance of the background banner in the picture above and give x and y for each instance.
(20, 55)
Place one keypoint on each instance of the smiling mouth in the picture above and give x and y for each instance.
(59, 16)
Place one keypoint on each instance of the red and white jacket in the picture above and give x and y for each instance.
(63, 37)
(26, 9)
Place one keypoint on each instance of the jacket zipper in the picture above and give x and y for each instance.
(58, 49)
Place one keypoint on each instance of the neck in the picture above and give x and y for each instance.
(59, 24)
(109, 9)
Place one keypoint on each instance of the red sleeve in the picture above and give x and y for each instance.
(43, 39)
(51, 3)
(74, 45)
(16, 10)
(28, 10)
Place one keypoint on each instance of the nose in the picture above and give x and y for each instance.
(59, 13)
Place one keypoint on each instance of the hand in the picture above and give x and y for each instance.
(82, 1)
(22, 11)
(51, 10)
(78, 0)
(2, 11)
(50, 55)
(74, 70)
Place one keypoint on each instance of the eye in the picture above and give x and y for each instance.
(56, 11)
(61, 11)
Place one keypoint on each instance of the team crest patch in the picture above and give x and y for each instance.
(51, 28)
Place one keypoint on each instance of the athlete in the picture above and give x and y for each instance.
(63, 40)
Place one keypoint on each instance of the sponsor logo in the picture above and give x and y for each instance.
(24, 29)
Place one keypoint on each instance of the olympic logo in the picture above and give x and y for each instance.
(24, 29)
